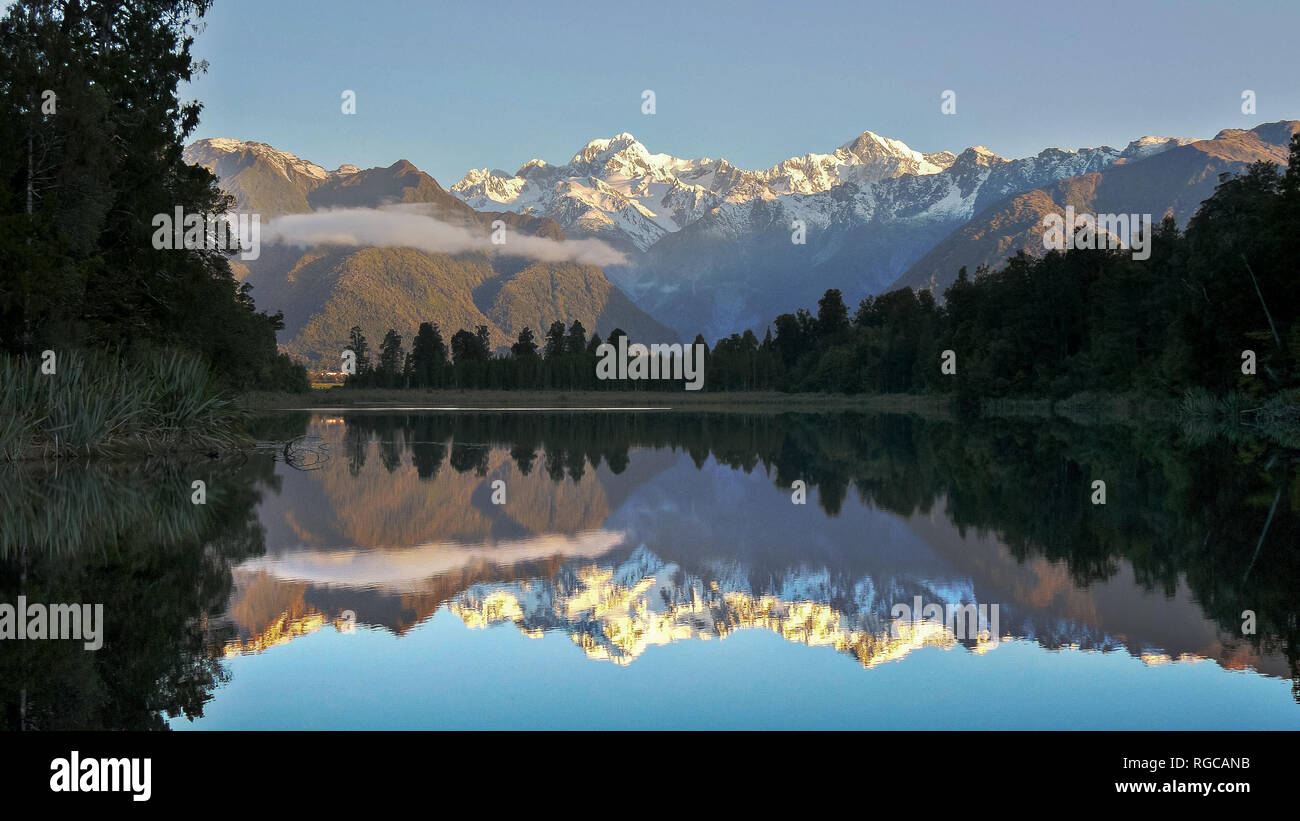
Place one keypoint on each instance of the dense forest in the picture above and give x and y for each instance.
(1081, 320)
(91, 135)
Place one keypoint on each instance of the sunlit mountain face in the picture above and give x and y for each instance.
(479, 569)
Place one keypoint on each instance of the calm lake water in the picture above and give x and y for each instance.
(382, 570)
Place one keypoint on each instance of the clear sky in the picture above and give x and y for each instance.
(457, 85)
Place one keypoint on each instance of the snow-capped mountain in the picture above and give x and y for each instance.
(712, 247)
(710, 243)
(1153, 175)
(282, 161)
(616, 189)
(615, 613)
(736, 267)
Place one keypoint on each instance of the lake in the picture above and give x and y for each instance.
(666, 569)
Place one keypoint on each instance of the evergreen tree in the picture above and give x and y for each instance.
(466, 347)
(357, 344)
(555, 340)
(577, 339)
(82, 184)
(390, 359)
(428, 355)
(832, 317)
(527, 344)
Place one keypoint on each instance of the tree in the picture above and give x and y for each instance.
(390, 358)
(527, 344)
(428, 354)
(832, 317)
(790, 339)
(555, 340)
(357, 344)
(82, 188)
(467, 347)
(699, 343)
(577, 340)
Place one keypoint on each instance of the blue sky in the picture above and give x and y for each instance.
(454, 86)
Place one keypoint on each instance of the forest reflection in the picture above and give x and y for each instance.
(390, 515)
(1216, 514)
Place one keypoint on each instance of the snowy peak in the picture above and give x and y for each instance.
(613, 188)
(978, 155)
(530, 168)
(869, 148)
(1144, 147)
(263, 178)
(617, 188)
(624, 157)
(866, 159)
(281, 161)
(614, 145)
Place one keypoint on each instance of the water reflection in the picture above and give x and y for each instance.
(129, 538)
(682, 526)
(628, 532)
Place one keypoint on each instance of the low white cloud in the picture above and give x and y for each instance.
(405, 226)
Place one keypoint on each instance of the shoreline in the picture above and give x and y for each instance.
(379, 399)
(1084, 408)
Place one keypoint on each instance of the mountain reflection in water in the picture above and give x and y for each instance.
(629, 532)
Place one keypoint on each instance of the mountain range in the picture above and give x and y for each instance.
(617, 190)
(701, 245)
(713, 248)
(326, 288)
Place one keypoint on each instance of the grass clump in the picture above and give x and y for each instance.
(100, 405)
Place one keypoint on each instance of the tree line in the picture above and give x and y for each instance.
(564, 359)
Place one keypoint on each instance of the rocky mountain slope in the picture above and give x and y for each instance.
(712, 248)
(1173, 181)
(708, 247)
(327, 288)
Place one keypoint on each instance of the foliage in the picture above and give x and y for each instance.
(97, 404)
(82, 181)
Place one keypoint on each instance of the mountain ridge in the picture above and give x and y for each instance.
(709, 245)
(1175, 180)
(325, 290)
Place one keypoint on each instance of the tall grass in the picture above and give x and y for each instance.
(96, 404)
